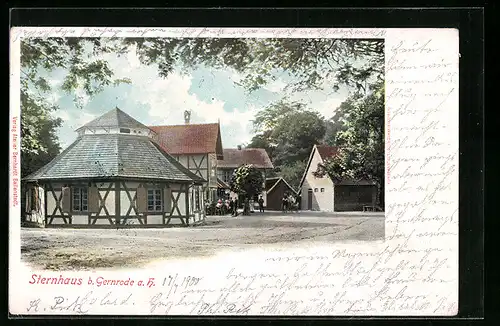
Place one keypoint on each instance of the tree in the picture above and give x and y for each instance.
(361, 154)
(334, 126)
(288, 132)
(78, 60)
(292, 172)
(295, 136)
(246, 181)
(312, 61)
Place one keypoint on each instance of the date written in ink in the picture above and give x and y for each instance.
(176, 282)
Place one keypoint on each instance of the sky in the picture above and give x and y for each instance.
(210, 94)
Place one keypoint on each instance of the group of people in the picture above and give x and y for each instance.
(289, 203)
(230, 205)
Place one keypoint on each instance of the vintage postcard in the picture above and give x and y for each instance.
(233, 171)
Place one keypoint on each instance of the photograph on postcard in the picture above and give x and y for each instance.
(243, 142)
(208, 171)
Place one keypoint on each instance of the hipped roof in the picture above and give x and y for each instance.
(114, 118)
(114, 156)
(117, 156)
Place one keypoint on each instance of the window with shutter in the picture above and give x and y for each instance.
(80, 199)
(94, 202)
(155, 200)
(66, 200)
(142, 200)
(167, 199)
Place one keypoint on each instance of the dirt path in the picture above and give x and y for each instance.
(82, 249)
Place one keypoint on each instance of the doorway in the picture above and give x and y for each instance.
(309, 199)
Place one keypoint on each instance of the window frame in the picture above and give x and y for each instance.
(80, 191)
(157, 194)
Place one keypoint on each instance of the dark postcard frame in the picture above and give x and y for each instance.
(469, 21)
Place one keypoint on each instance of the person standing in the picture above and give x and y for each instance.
(261, 204)
(235, 210)
(231, 206)
(284, 203)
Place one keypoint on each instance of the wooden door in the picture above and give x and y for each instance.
(309, 199)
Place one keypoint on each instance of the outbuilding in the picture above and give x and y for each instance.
(323, 194)
(276, 188)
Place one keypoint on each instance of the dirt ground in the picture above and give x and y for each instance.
(85, 249)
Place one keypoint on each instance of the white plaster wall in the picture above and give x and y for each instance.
(51, 202)
(322, 201)
(103, 221)
(110, 202)
(175, 221)
(182, 203)
(58, 220)
(155, 219)
(80, 219)
(125, 202)
(183, 159)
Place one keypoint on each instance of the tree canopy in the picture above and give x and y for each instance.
(361, 142)
(247, 181)
(287, 130)
(79, 59)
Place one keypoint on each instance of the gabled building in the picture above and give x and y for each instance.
(115, 173)
(323, 194)
(235, 157)
(276, 188)
(197, 147)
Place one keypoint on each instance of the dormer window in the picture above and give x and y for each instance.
(124, 130)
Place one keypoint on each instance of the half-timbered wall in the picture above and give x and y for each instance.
(198, 164)
(212, 167)
(205, 166)
(124, 203)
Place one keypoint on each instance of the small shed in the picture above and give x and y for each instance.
(114, 174)
(276, 188)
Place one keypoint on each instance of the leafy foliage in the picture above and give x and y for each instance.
(361, 154)
(286, 130)
(247, 181)
(311, 61)
(288, 133)
(79, 59)
(292, 172)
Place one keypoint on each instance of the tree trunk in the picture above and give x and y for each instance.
(246, 207)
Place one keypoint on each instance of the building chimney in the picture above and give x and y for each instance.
(187, 117)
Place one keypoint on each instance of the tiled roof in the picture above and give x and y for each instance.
(234, 157)
(115, 118)
(190, 138)
(114, 156)
(326, 151)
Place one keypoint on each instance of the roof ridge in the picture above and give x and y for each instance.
(114, 115)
